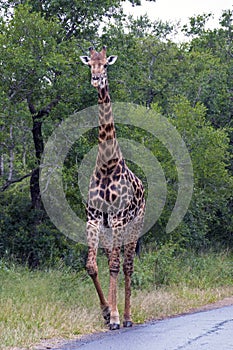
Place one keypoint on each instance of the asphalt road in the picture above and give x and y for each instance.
(207, 330)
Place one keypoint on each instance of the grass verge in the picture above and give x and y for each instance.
(62, 304)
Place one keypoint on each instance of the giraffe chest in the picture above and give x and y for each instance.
(114, 197)
(110, 192)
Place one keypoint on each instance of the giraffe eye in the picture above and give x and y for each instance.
(105, 65)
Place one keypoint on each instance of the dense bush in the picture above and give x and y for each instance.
(169, 265)
(28, 237)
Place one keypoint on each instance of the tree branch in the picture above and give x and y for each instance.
(45, 110)
(10, 182)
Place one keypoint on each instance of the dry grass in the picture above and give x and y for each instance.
(62, 304)
(167, 302)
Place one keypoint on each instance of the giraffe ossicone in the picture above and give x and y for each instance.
(116, 204)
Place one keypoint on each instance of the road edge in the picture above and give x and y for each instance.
(53, 344)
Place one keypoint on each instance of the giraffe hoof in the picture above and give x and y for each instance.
(127, 324)
(106, 314)
(114, 326)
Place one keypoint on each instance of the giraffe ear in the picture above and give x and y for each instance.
(111, 59)
(85, 59)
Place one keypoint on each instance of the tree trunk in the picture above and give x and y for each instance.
(11, 160)
(39, 148)
(36, 202)
(1, 165)
(37, 119)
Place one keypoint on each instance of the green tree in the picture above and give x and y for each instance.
(210, 209)
(218, 43)
(78, 18)
(37, 76)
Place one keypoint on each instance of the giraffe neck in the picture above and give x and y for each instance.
(109, 152)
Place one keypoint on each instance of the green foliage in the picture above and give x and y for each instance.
(209, 151)
(41, 74)
(37, 68)
(212, 195)
(196, 24)
(39, 244)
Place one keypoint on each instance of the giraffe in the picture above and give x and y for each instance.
(116, 204)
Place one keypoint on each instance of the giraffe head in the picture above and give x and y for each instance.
(98, 62)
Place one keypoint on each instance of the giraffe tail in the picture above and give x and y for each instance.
(138, 247)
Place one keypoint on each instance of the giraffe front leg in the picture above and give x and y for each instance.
(92, 268)
(114, 267)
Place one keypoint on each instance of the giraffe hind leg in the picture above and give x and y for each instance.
(112, 249)
(131, 240)
(128, 271)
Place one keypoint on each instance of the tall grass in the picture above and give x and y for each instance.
(35, 305)
(61, 303)
(167, 267)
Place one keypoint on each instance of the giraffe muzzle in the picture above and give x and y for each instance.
(95, 81)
